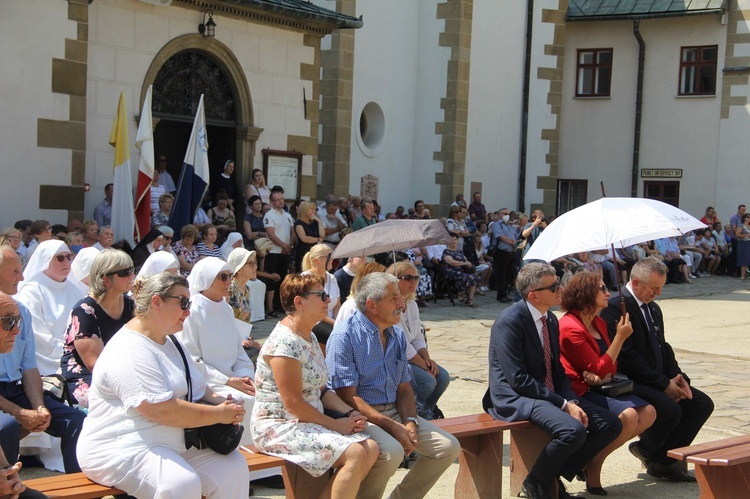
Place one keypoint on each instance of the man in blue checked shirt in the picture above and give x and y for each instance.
(367, 366)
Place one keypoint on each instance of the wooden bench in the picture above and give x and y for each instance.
(299, 484)
(480, 468)
(722, 468)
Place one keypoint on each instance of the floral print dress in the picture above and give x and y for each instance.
(190, 255)
(278, 432)
(87, 320)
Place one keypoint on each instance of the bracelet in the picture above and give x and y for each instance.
(350, 412)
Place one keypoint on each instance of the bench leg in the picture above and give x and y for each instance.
(525, 447)
(480, 468)
(723, 482)
(300, 484)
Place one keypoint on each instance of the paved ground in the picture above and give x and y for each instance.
(705, 323)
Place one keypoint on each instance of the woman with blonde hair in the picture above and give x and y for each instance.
(258, 187)
(317, 262)
(288, 419)
(12, 237)
(95, 319)
(134, 435)
(348, 308)
(428, 381)
(309, 230)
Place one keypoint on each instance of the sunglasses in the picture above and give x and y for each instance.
(409, 277)
(224, 276)
(323, 295)
(553, 287)
(603, 288)
(62, 258)
(185, 302)
(168, 237)
(10, 322)
(122, 273)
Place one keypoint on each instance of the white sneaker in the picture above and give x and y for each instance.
(705, 274)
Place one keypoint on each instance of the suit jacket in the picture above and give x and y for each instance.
(517, 368)
(637, 359)
(580, 350)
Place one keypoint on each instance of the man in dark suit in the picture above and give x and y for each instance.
(649, 361)
(527, 382)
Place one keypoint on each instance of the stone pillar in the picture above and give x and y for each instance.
(452, 153)
(737, 43)
(336, 87)
(69, 77)
(548, 183)
(309, 145)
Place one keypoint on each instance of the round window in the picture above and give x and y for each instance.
(371, 130)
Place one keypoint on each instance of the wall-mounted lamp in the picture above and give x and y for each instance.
(207, 28)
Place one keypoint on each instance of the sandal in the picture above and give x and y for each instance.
(272, 315)
(470, 303)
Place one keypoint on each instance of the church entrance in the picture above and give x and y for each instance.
(176, 92)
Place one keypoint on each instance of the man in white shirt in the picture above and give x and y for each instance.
(165, 179)
(280, 229)
(333, 222)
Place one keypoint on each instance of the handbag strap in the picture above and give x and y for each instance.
(189, 396)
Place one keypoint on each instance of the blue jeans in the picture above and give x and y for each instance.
(427, 389)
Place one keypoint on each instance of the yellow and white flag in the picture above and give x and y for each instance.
(123, 217)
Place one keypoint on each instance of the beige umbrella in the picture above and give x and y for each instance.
(392, 235)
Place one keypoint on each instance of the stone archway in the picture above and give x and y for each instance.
(246, 133)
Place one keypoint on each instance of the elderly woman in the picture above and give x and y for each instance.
(96, 319)
(317, 262)
(90, 231)
(50, 296)
(168, 233)
(234, 240)
(348, 308)
(12, 237)
(185, 249)
(456, 224)
(475, 253)
(590, 359)
(428, 380)
(246, 306)
(288, 418)
(455, 261)
(134, 437)
(258, 187)
(161, 217)
(151, 243)
(253, 226)
(211, 336)
(208, 246)
(309, 230)
(80, 268)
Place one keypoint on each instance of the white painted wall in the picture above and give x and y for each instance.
(495, 104)
(124, 37)
(677, 132)
(26, 97)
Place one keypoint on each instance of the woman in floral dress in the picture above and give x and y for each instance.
(290, 395)
(454, 261)
(95, 319)
(185, 250)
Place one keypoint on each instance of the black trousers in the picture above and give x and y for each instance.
(504, 261)
(276, 263)
(677, 423)
(572, 445)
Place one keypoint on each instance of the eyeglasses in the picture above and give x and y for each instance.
(409, 277)
(168, 237)
(323, 295)
(551, 287)
(224, 276)
(122, 273)
(185, 302)
(10, 322)
(603, 288)
(62, 257)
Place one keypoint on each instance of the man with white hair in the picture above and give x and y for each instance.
(367, 366)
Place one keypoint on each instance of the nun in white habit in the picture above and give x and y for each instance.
(80, 268)
(50, 296)
(156, 263)
(211, 335)
(234, 240)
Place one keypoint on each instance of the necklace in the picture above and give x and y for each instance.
(295, 330)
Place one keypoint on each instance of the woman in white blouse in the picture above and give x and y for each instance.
(50, 296)
(317, 262)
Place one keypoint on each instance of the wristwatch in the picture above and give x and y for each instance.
(412, 420)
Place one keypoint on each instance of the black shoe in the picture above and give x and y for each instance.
(504, 300)
(671, 472)
(437, 413)
(635, 449)
(534, 489)
(272, 482)
(597, 491)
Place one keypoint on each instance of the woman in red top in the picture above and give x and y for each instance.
(590, 359)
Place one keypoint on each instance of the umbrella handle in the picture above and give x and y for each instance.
(617, 278)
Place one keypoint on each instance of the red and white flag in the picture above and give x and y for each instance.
(144, 141)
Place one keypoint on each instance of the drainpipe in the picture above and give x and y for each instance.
(525, 109)
(638, 109)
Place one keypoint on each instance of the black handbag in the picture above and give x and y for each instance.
(221, 438)
(620, 385)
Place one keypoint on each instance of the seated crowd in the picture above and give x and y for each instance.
(327, 392)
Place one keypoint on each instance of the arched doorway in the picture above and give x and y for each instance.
(185, 68)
